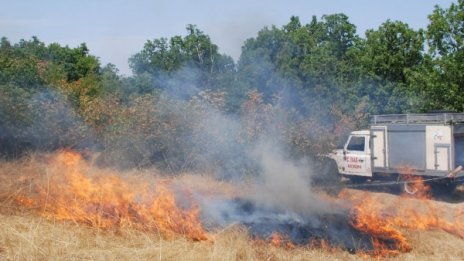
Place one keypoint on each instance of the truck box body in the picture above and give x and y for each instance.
(427, 144)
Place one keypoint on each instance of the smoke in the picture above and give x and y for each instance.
(284, 185)
(182, 84)
(181, 126)
(40, 119)
(279, 192)
(254, 149)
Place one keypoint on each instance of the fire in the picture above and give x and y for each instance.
(414, 186)
(386, 238)
(279, 240)
(383, 222)
(73, 190)
(276, 239)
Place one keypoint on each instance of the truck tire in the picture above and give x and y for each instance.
(408, 184)
(409, 189)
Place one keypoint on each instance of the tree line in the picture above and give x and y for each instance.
(321, 77)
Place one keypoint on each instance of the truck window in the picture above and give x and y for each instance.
(356, 143)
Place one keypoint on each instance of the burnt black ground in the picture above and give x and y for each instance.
(336, 229)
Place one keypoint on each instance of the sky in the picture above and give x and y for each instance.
(114, 30)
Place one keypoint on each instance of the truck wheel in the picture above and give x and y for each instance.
(412, 185)
(410, 188)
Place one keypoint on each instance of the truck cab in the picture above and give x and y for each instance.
(354, 159)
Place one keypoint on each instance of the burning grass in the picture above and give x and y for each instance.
(29, 237)
(385, 219)
(34, 238)
(72, 190)
(63, 205)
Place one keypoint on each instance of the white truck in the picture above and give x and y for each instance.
(403, 145)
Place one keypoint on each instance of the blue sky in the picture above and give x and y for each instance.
(116, 29)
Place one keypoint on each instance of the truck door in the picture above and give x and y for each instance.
(379, 146)
(357, 156)
(442, 157)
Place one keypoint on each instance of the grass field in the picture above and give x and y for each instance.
(28, 237)
(26, 234)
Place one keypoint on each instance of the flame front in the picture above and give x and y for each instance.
(68, 188)
(72, 190)
(386, 238)
(383, 222)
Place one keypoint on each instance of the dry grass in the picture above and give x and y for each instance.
(33, 238)
(26, 236)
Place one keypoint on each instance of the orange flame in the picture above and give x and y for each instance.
(73, 190)
(383, 222)
(386, 238)
(414, 184)
(279, 240)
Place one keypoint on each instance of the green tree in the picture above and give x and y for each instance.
(388, 56)
(314, 62)
(392, 49)
(441, 81)
(194, 54)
